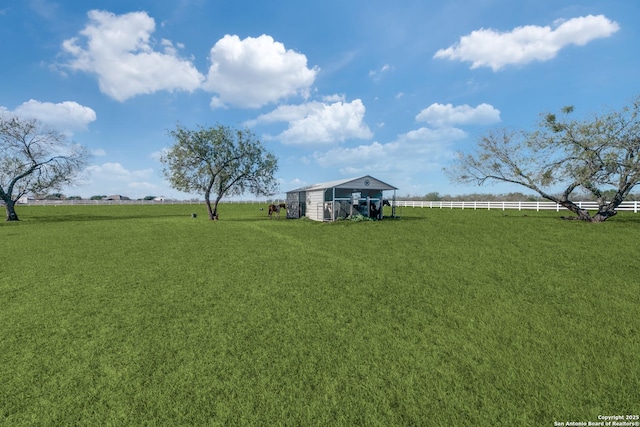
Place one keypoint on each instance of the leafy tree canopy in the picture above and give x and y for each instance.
(35, 159)
(598, 155)
(219, 161)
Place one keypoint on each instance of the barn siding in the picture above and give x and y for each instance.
(318, 206)
(315, 199)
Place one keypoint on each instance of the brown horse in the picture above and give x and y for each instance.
(276, 209)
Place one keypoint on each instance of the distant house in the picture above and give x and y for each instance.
(116, 197)
(332, 200)
(25, 200)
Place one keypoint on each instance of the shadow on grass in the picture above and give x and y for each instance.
(84, 218)
(626, 217)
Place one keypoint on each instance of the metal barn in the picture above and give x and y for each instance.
(329, 201)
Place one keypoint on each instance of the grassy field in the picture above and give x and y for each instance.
(145, 316)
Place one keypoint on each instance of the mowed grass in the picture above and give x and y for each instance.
(143, 315)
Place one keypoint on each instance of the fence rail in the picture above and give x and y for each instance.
(632, 206)
(86, 202)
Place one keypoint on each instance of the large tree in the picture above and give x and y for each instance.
(562, 157)
(220, 161)
(35, 159)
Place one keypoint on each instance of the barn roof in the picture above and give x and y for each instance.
(351, 183)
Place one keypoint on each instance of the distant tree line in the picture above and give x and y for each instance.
(60, 196)
(504, 197)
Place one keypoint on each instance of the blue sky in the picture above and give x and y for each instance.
(336, 89)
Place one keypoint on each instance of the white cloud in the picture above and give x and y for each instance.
(441, 115)
(336, 97)
(113, 178)
(256, 71)
(66, 116)
(119, 51)
(98, 152)
(377, 74)
(416, 151)
(490, 48)
(157, 155)
(217, 103)
(319, 123)
(117, 172)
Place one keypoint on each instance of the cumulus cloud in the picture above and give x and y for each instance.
(416, 151)
(441, 115)
(117, 172)
(256, 71)
(490, 48)
(113, 178)
(319, 122)
(118, 49)
(66, 116)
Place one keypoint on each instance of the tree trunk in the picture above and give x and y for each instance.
(607, 210)
(603, 215)
(582, 214)
(207, 201)
(215, 207)
(10, 206)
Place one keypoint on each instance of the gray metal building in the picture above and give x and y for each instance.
(329, 201)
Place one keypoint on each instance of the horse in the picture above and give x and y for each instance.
(276, 209)
(375, 209)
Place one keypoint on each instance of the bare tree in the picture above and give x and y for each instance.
(599, 155)
(34, 159)
(220, 161)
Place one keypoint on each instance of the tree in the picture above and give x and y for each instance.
(34, 159)
(55, 196)
(599, 156)
(220, 161)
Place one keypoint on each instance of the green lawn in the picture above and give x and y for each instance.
(143, 315)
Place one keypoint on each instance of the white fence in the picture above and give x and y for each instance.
(86, 202)
(632, 206)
